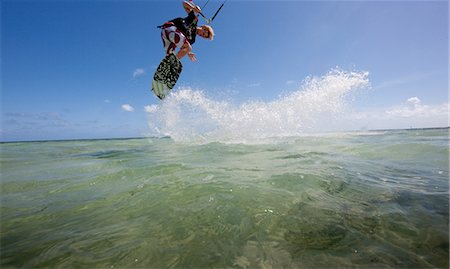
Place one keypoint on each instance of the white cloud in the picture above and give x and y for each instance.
(413, 101)
(414, 108)
(290, 82)
(49, 119)
(127, 108)
(139, 72)
(411, 113)
(150, 109)
(34, 126)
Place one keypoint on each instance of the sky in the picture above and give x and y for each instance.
(83, 69)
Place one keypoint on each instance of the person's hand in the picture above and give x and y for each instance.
(191, 56)
(190, 6)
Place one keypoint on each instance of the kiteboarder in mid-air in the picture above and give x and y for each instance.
(181, 32)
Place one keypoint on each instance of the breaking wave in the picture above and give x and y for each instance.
(187, 114)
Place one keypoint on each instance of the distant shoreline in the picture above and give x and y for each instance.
(164, 137)
(410, 129)
(76, 139)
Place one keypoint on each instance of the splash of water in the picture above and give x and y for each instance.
(188, 115)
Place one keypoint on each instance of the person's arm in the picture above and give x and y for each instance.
(186, 49)
(190, 6)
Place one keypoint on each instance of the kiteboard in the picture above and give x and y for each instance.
(166, 75)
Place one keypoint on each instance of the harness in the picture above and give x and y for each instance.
(166, 25)
(189, 31)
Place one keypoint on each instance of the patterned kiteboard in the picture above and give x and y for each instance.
(166, 75)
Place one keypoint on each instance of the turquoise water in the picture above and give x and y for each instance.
(365, 200)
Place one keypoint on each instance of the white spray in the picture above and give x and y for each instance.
(188, 115)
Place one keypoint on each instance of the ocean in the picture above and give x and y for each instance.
(261, 184)
(375, 199)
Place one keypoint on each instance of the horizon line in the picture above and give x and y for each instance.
(165, 137)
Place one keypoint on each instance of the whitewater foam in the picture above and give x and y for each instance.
(189, 115)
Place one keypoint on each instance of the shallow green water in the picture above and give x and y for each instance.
(368, 200)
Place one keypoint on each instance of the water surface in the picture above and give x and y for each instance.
(366, 200)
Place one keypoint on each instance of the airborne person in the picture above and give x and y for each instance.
(181, 32)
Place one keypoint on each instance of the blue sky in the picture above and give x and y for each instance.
(83, 69)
